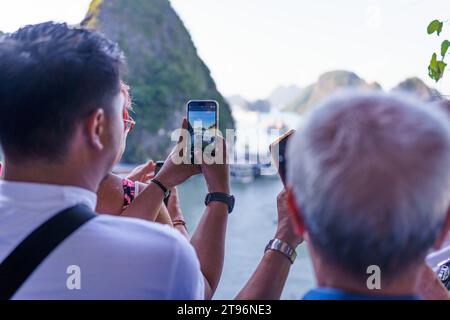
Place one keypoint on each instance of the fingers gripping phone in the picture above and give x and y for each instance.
(159, 165)
(203, 119)
(278, 152)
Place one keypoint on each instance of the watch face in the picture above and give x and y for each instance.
(221, 197)
(444, 273)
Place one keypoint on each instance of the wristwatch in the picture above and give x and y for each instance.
(165, 191)
(444, 274)
(282, 247)
(221, 197)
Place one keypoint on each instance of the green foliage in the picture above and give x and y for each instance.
(164, 70)
(444, 47)
(93, 12)
(436, 68)
(435, 26)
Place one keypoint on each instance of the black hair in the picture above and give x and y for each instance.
(51, 76)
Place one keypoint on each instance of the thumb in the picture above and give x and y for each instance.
(185, 124)
(150, 167)
(184, 129)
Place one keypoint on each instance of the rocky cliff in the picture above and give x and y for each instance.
(165, 70)
(418, 88)
(327, 84)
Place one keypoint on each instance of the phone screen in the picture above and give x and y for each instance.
(278, 151)
(202, 118)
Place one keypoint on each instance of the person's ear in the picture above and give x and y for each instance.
(295, 212)
(443, 236)
(96, 127)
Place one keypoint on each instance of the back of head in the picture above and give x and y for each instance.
(51, 76)
(446, 105)
(371, 177)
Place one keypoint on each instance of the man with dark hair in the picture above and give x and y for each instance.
(52, 77)
(61, 126)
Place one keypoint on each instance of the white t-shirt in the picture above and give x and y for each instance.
(108, 257)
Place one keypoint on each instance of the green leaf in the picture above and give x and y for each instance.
(444, 47)
(433, 62)
(441, 67)
(436, 68)
(433, 70)
(435, 26)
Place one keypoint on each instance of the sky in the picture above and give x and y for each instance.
(253, 46)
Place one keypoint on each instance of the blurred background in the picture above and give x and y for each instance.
(267, 62)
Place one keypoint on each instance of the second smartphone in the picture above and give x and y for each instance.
(278, 150)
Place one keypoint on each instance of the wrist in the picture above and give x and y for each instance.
(280, 246)
(165, 191)
(222, 198)
(179, 223)
(218, 206)
(292, 240)
(177, 217)
(219, 189)
(164, 180)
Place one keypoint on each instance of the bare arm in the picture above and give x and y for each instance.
(139, 209)
(110, 196)
(163, 216)
(147, 205)
(209, 243)
(209, 237)
(268, 281)
(176, 214)
(429, 286)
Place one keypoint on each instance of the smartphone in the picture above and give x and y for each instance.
(203, 120)
(278, 152)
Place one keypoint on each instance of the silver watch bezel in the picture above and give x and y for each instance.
(283, 247)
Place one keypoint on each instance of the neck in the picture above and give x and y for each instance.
(394, 288)
(402, 285)
(66, 174)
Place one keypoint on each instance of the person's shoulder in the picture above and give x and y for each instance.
(110, 195)
(135, 233)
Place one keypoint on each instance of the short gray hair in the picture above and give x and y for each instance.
(371, 176)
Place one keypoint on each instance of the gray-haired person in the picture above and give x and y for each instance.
(369, 192)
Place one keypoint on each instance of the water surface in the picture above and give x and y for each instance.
(250, 227)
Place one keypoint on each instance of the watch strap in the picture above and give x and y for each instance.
(221, 197)
(282, 247)
(165, 191)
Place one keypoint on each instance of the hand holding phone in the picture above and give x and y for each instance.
(174, 172)
(159, 165)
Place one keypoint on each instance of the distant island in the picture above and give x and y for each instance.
(295, 99)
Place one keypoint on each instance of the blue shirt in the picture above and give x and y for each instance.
(335, 294)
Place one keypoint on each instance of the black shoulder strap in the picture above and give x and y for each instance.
(30, 253)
